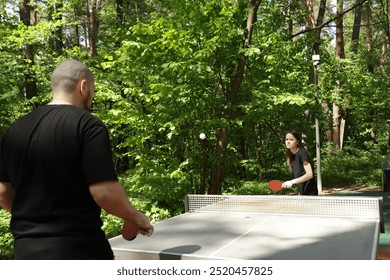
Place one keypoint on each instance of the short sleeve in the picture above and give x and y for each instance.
(304, 155)
(97, 161)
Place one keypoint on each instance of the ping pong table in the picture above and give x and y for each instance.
(269, 227)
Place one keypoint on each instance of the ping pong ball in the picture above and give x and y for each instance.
(202, 136)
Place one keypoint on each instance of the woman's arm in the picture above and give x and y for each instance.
(306, 177)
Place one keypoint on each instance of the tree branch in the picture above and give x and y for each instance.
(329, 21)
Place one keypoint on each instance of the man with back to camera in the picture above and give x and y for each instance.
(57, 173)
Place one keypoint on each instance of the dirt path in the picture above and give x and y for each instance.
(333, 190)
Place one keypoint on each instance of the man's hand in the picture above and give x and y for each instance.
(144, 225)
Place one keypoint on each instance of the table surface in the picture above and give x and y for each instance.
(254, 236)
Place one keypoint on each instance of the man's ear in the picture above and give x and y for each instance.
(83, 87)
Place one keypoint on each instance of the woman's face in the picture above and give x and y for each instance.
(291, 142)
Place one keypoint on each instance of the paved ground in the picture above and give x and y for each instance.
(384, 240)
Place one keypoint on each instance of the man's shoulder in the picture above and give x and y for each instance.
(69, 110)
(82, 116)
(58, 114)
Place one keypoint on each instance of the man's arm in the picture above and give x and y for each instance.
(6, 195)
(111, 197)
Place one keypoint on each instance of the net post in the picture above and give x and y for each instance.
(381, 215)
(186, 203)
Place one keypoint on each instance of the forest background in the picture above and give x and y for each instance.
(239, 71)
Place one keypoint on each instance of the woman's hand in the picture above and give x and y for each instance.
(287, 184)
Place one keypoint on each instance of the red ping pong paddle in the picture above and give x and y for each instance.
(129, 230)
(275, 185)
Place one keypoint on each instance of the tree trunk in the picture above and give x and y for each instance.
(340, 54)
(119, 11)
(76, 38)
(384, 17)
(93, 7)
(316, 50)
(310, 24)
(367, 19)
(56, 43)
(309, 20)
(217, 174)
(289, 8)
(320, 21)
(356, 27)
(354, 47)
(336, 125)
(203, 178)
(327, 128)
(384, 56)
(218, 166)
(27, 14)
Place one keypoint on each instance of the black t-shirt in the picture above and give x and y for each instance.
(51, 156)
(308, 187)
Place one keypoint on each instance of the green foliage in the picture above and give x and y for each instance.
(159, 192)
(163, 73)
(6, 239)
(112, 225)
(360, 167)
(362, 94)
(258, 188)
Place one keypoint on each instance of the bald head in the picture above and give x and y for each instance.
(67, 74)
(72, 83)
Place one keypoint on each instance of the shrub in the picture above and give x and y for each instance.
(6, 238)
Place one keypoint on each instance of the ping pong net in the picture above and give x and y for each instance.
(326, 206)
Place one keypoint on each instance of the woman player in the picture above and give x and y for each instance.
(299, 161)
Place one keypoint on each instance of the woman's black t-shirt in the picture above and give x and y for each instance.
(308, 187)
